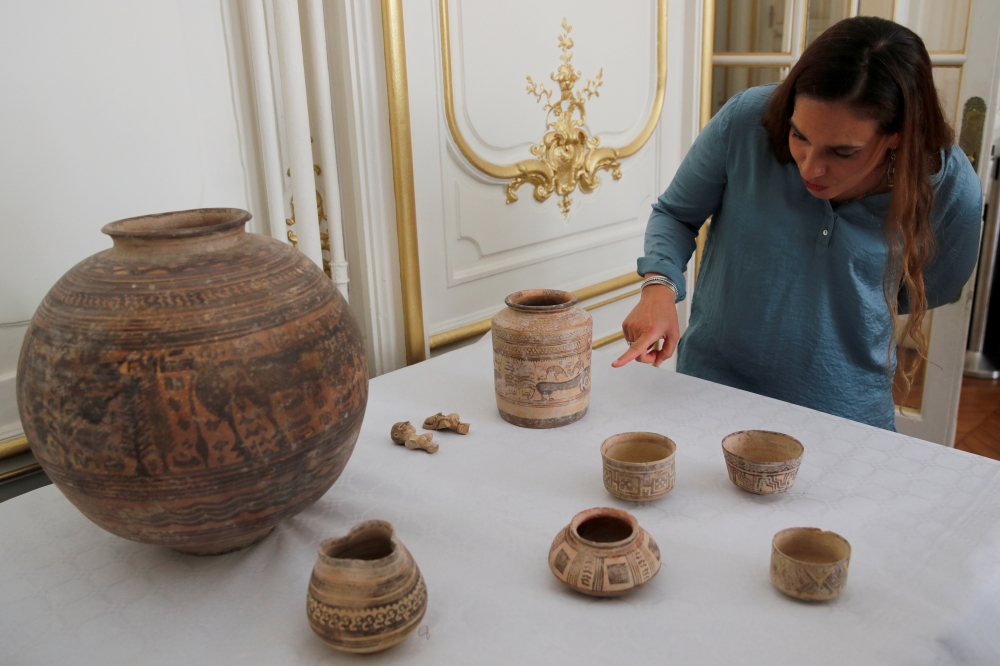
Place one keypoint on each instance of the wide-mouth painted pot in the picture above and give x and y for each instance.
(366, 592)
(604, 552)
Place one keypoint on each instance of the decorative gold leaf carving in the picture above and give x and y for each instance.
(324, 237)
(568, 156)
(538, 172)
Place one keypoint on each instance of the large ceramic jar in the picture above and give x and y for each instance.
(194, 384)
(541, 358)
(366, 593)
(604, 553)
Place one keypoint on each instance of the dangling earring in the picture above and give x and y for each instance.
(892, 167)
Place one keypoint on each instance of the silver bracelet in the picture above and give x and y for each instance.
(659, 279)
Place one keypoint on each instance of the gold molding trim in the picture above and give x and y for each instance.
(705, 107)
(14, 446)
(19, 472)
(751, 54)
(551, 174)
(707, 51)
(467, 331)
(446, 338)
(970, 139)
(601, 288)
(608, 339)
(613, 299)
(402, 178)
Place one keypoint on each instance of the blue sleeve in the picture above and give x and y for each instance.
(957, 217)
(694, 194)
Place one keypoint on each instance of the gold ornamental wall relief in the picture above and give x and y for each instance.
(568, 157)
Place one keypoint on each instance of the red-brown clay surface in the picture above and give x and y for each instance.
(194, 385)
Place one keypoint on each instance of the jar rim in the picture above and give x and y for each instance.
(368, 543)
(541, 300)
(178, 224)
(607, 513)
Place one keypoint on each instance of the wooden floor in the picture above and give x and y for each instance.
(979, 417)
(978, 428)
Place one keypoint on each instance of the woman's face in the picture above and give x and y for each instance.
(836, 150)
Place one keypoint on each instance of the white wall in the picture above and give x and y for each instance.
(110, 109)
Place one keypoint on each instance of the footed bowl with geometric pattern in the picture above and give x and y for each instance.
(808, 563)
(762, 462)
(604, 553)
(366, 593)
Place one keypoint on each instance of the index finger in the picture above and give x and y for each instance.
(636, 349)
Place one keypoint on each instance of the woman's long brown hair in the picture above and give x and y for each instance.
(881, 70)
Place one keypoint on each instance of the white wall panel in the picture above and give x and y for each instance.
(474, 247)
(111, 109)
(496, 44)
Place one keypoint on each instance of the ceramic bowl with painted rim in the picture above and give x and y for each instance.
(762, 462)
(808, 563)
(638, 466)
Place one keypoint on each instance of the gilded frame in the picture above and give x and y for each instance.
(513, 170)
(416, 343)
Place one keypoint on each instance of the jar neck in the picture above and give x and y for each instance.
(131, 247)
(183, 232)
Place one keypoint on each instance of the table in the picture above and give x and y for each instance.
(479, 517)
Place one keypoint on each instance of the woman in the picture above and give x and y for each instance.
(838, 202)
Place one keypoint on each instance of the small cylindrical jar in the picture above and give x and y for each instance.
(604, 553)
(366, 593)
(808, 563)
(541, 358)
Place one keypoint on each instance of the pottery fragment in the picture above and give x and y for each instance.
(450, 422)
(404, 433)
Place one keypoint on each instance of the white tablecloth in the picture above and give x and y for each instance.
(479, 516)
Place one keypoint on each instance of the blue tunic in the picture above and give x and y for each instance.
(789, 301)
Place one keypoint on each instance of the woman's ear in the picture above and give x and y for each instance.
(894, 141)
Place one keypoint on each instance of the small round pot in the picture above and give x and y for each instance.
(541, 358)
(762, 462)
(808, 563)
(366, 593)
(604, 553)
(638, 466)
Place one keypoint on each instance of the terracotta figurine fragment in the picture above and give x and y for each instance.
(424, 441)
(404, 433)
(450, 422)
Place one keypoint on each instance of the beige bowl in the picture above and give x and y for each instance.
(808, 563)
(638, 466)
(762, 462)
